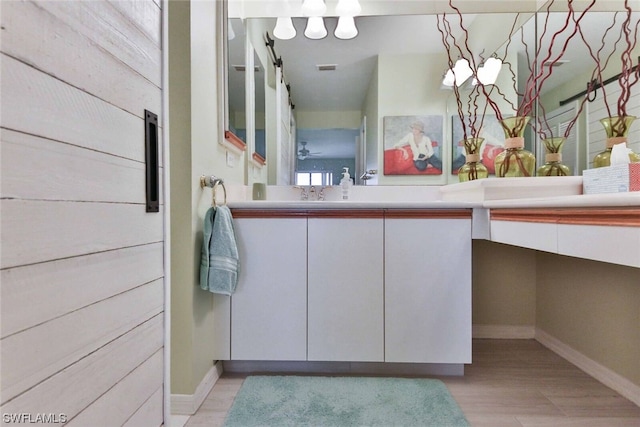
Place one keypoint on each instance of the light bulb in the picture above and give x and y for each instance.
(488, 73)
(348, 8)
(449, 78)
(313, 8)
(462, 71)
(315, 28)
(346, 28)
(284, 29)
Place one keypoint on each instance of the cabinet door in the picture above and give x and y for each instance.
(428, 290)
(269, 307)
(346, 289)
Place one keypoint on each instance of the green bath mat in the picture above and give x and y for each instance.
(343, 401)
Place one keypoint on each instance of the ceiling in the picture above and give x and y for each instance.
(355, 59)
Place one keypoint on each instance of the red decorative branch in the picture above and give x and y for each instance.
(628, 77)
(535, 81)
(471, 121)
(596, 76)
(469, 118)
(545, 67)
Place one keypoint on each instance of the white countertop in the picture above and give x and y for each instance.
(491, 193)
(576, 201)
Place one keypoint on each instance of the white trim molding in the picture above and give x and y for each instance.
(603, 374)
(188, 404)
(522, 332)
(166, 183)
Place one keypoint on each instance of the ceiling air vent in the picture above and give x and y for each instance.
(327, 67)
(243, 68)
(558, 63)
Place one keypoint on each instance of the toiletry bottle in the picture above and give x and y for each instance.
(345, 183)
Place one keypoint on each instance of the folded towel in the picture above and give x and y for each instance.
(219, 262)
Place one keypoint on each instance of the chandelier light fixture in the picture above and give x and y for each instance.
(449, 79)
(346, 28)
(284, 29)
(315, 28)
(459, 74)
(488, 72)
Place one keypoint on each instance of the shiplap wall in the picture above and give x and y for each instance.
(597, 110)
(81, 267)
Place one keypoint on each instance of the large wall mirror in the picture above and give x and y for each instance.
(391, 74)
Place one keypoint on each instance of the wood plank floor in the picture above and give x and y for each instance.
(517, 383)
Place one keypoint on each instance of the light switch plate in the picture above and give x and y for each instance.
(231, 160)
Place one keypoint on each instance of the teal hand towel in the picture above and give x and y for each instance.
(220, 261)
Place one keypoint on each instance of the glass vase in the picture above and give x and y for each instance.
(515, 161)
(617, 129)
(553, 158)
(473, 167)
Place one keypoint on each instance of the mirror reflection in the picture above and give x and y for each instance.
(259, 108)
(343, 89)
(393, 67)
(236, 69)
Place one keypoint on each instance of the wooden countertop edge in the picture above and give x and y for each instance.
(624, 216)
(352, 213)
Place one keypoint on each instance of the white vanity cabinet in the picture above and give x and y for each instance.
(345, 283)
(427, 286)
(352, 285)
(269, 307)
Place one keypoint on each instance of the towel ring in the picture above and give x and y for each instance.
(215, 186)
(213, 182)
(209, 181)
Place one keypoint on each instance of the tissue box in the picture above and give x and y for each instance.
(611, 179)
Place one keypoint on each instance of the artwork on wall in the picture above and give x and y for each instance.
(492, 145)
(413, 145)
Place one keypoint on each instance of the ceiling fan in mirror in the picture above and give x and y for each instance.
(304, 153)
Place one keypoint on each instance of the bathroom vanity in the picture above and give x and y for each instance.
(388, 283)
(374, 284)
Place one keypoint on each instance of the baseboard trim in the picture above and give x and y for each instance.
(603, 374)
(188, 404)
(503, 331)
(343, 368)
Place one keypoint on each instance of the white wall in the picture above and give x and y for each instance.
(195, 151)
(370, 109)
(82, 262)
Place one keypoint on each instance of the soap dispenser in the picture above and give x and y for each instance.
(345, 183)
